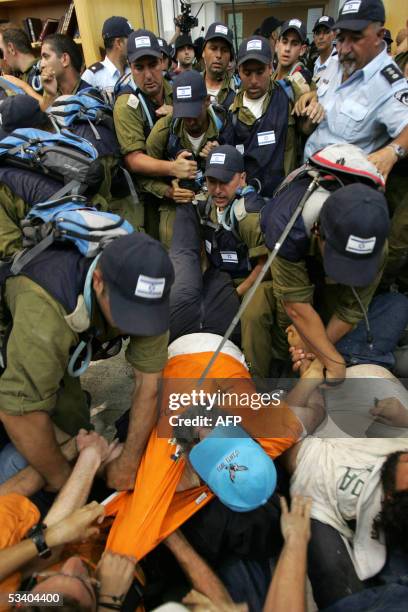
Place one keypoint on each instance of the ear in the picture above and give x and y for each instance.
(65, 59)
(242, 179)
(97, 281)
(11, 48)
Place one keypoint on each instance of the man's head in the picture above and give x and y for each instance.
(218, 50)
(235, 468)
(270, 30)
(323, 34)
(61, 54)
(190, 102)
(255, 66)
(115, 33)
(13, 44)
(354, 225)
(360, 33)
(291, 43)
(393, 519)
(225, 174)
(184, 51)
(166, 53)
(132, 282)
(146, 63)
(73, 582)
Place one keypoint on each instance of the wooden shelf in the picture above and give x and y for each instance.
(37, 44)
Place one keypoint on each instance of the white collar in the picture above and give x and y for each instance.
(110, 66)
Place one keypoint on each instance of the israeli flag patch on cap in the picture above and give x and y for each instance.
(184, 93)
(296, 23)
(150, 288)
(217, 158)
(142, 41)
(254, 45)
(159, 40)
(325, 18)
(220, 29)
(353, 6)
(361, 246)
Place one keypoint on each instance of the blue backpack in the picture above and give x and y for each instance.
(69, 219)
(64, 157)
(87, 106)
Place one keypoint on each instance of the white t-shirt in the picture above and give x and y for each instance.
(195, 142)
(213, 93)
(255, 106)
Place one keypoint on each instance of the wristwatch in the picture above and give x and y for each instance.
(36, 534)
(399, 151)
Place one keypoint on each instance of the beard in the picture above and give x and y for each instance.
(348, 64)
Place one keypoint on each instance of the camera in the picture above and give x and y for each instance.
(185, 21)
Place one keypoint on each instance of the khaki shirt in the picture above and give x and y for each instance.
(291, 283)
(297, 81)
(38, 353)
(156, 146)
(130, 120)
(227, 85)
(246, 117)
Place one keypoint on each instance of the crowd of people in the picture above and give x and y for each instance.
(236, 221)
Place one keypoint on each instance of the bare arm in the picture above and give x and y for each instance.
(140, 163)
(249, 281)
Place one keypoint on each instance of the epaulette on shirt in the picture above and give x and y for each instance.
(96, 67)
(392, 73)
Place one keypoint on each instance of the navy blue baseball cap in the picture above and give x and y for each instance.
(324, 22)
(223, 163)
(143, 43)
(116, 27)
(356, 15)
(21, 111)
(189, 93)
(354, 222)
(139, 275)
(297, 25)
(165, 48)
(235, 467)
(220, 30)
(254, 48)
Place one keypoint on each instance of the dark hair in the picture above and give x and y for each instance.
(393, 518)
(109, 42)
(18, 38)
(61, 43)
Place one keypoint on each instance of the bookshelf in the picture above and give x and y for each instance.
(90, 16)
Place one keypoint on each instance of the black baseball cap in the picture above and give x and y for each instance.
(219, 30)
(324, 22)
(254, 48)
(21, 111)
(165, 48)
(387, 37)
(354, 223)
(183, 40)
(143, 43)
(297, 25)
(269, 25)
(116, 27)
(223, 163)
(356, 15)
(189, 93)
(139, 275)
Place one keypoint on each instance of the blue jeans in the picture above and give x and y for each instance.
(387, 317)
(11, 462)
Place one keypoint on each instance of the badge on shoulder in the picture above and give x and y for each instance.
(402, 96)
(392, 73)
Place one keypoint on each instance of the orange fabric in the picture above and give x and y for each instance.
(147, 515)
(17, 515)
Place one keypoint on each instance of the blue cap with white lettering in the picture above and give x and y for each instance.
(356, 15)
(223, 163)
(354, 223)
(138, 274)
(235, 467)
(189, 93)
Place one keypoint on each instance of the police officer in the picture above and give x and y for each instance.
(17, 52)
(193, 128)
(290, 47)
(259, 122)
(138, 106)
(233, 241)
(218, 51)
(184, 52)
(326, 273)
(62, 296)
(323, 37)
(105, 74)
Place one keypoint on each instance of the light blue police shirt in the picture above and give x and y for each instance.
(367, 110)
(104, 78)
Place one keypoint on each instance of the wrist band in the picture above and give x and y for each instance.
(331, 382)
(115, 598)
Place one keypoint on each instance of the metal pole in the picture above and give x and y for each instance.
(235, 26)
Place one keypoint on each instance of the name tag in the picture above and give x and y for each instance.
(266, 138)
(208, 246)
(229, 257)
(151, 288)
(361, 246)
(201, 498)
(240, 148)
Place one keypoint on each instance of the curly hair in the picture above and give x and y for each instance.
(393, 518)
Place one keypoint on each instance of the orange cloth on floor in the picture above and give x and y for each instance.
(17, 515)
(147, 515)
